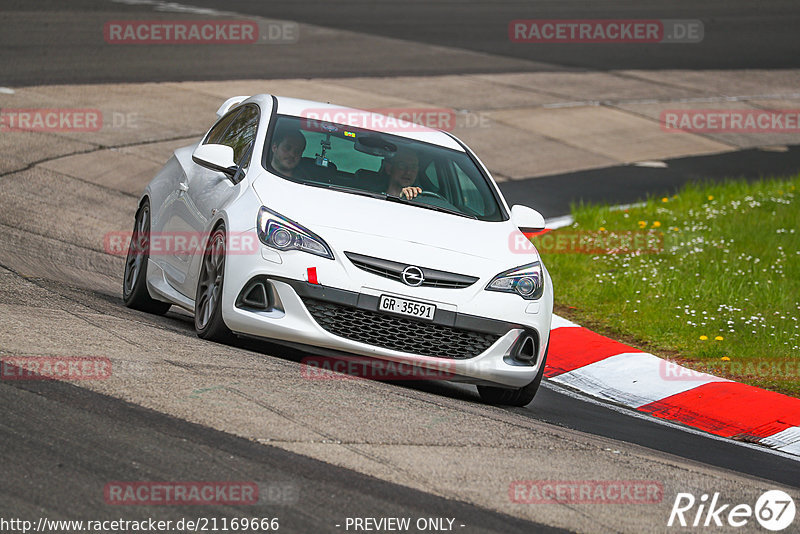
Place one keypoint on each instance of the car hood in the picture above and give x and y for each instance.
(378, 224)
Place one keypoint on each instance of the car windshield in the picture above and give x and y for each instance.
(367, 162)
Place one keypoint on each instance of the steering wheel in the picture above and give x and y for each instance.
(432, 194)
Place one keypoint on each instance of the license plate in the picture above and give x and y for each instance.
(406, 307)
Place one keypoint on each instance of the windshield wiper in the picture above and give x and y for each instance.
(430, 207)
(345, 189)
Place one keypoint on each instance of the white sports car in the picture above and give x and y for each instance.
(389, 242)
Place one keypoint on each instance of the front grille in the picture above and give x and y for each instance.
(399, 333)
(393, 270)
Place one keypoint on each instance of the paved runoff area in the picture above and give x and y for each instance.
(522, 125)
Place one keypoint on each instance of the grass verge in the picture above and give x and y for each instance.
(709, 277)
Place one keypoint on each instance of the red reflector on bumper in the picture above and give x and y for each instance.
(312, 275)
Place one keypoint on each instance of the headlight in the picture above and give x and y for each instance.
(280, 233)
(526, 281)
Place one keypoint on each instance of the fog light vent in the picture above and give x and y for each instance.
(525, 349)
(254, 296)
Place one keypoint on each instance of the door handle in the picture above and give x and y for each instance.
(183, 186)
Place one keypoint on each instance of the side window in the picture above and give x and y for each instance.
(241, 133)
(237, 130)
(216, 133)
(430, 173)
(471, 197)
(434, 179)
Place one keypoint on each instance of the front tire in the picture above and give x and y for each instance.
(208, 300)
(514, 397)
(134, 281)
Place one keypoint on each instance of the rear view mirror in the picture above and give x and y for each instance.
(527, 219)
(375, 145)
(215, 157)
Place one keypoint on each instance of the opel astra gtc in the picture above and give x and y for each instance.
(359, 235)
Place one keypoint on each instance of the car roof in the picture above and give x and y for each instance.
(359, 118)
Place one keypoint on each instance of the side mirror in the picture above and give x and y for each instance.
(527, 219)
(215, 157)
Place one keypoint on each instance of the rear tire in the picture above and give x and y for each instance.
(514, 397)
(208, 300)
(134, 281)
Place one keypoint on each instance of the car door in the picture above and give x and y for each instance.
(204, 191)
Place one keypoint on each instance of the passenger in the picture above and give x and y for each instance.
(287, 149)
(402, 171)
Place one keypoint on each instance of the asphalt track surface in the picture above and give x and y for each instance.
(64, 438)
(738, 34)
(51, 41)
(61, 443)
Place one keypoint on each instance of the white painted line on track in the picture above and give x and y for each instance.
(559, 222)
(651, 164)
(786, 440)
(560, 322)
(634, 379)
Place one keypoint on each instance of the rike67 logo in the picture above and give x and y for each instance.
(774, 510)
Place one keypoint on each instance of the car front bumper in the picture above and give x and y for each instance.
(288, 319)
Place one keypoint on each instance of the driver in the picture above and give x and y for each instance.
(402, 171)
(287, 148)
